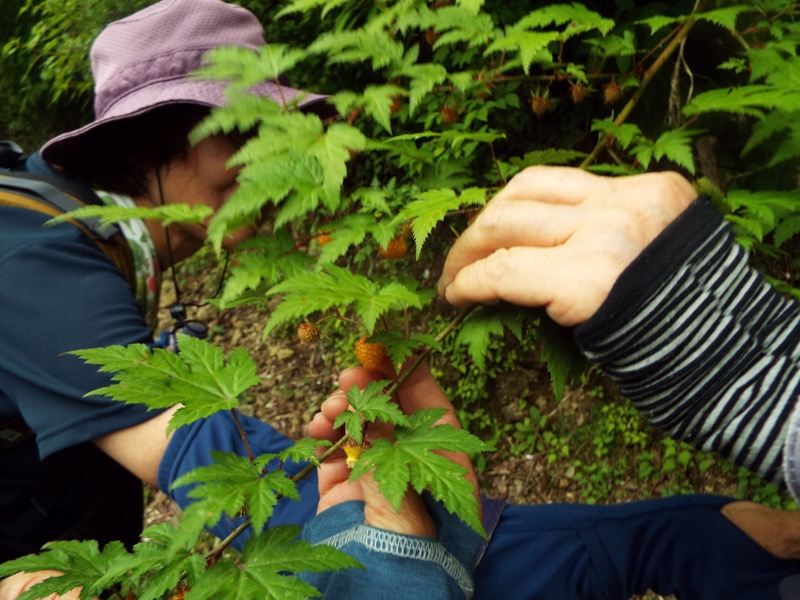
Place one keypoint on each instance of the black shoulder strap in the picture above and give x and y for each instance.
(60, 194)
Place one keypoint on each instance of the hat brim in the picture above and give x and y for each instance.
(77, 144)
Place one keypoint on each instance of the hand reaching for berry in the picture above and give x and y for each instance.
(417, 392)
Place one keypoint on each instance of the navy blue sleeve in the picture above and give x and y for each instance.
(59, 293)
(191, 447)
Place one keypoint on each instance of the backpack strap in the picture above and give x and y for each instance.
(54, 197)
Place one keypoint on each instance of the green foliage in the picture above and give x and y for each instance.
(435, 104)
(410, 461)
(199, 378)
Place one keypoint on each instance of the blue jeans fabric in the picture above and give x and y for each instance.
(680, 545)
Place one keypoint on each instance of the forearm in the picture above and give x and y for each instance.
(709, 351)
(191, 446)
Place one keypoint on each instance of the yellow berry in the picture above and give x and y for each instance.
(353, 452)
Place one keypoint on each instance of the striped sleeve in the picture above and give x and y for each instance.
(702, 344)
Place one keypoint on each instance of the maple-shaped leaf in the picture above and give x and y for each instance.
(160, 566)
(266, 569)
(369, 404)
(262, 262)
(338, 287)
(333, 148)
(234, 483)
(476, 333)
(243, 68)
(412, 461)
(82, 563)
(431, 206)
(300, 451)
(531, 45)
(399, 347)
(199, 378)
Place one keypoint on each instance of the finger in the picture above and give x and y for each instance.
(358, 376)
(554, 185)
(506, 223)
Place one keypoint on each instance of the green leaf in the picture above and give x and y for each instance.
(412, 461)
(724, 17)
(560, 354)
(431, 207)
(531, 45)
(399, 347)
(199, 378)
(82, 562)
(369, 404)
(168, 214)
(262, 262)
(266, 568)
(338, 287)
(234, 483)
(676, 145)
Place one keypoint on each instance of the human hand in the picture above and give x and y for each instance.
(776, 531)
(417, 392)
(12, 587)
(559, 237)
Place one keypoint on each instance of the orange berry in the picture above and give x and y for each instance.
(370, 355)
(324, 237)
(612, 93)
(396, 248)
(578, 92)
(307, 333)
(540, 106)
(449, 115)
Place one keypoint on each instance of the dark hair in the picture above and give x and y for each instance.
(123, 153)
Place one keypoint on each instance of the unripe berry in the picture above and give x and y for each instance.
(307, 333)
(612, 93)
(353, 452)
(396, 248)
(449, 115)
(540, 105)
(370, 355)
(578, 92)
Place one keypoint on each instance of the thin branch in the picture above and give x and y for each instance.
(646, 80)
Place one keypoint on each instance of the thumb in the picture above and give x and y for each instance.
(411, 519)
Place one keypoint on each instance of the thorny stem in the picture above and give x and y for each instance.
(649, 75)
(302, 473)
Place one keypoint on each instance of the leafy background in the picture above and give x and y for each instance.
(441, 103)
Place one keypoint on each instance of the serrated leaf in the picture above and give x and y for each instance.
(530, 45)
(560, 354)
(168, 214)
(411, 461)
(262, 262)
(431, 207)
(199, 378)
(476, 332)
(338, 287)
(82, 563)
(399, 348)
(676, 145)
(724, 17)
(369, 404)
(266, 569)
(234, 483)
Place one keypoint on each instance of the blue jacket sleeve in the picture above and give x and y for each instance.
(191, 447)
(396, 566)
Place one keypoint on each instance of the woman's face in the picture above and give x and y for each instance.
(202, 178)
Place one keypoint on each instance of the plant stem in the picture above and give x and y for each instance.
(648, 77)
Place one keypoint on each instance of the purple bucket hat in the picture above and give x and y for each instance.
(142, 62)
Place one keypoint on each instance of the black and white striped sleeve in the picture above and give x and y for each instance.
(704, 347)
